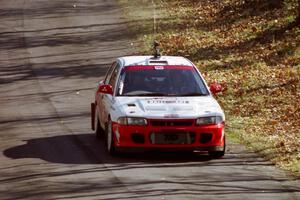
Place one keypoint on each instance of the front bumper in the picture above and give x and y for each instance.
(202, 138)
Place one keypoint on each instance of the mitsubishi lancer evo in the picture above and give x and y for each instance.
(158, 103)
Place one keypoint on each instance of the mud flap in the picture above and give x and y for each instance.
(93, 109)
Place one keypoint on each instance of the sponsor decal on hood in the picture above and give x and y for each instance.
(170, 107)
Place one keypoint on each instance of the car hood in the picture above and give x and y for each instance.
(169, 107)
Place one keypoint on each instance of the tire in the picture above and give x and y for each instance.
(218, 154)
(98, 129)
(110, 143)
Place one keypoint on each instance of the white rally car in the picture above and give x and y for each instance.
(162, 103)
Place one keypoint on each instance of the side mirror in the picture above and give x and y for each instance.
(105, 89)
(215, 88)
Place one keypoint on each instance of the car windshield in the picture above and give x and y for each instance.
(161, 81)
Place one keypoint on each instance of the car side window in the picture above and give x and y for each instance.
(109, 72)
(114, 75)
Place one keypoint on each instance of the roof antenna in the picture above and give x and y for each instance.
(154, 19)
(156, 44)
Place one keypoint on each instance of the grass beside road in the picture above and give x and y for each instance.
(252, 48)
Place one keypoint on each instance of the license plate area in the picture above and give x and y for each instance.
(178, 137)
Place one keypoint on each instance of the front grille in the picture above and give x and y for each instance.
(172, 122)
(177, 137)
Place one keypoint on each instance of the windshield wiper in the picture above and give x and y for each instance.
(152, 94)
(136, 93)
(144, 93)
(192, 94)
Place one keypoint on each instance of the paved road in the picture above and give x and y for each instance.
(52, 53)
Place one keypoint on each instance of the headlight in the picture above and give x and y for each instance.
(132, 121)
(209, 120)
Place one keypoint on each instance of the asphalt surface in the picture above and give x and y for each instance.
(52, 54)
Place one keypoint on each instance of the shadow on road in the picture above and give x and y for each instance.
(74, 51)
(223, 176)
(95, 149)
(61, 149)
